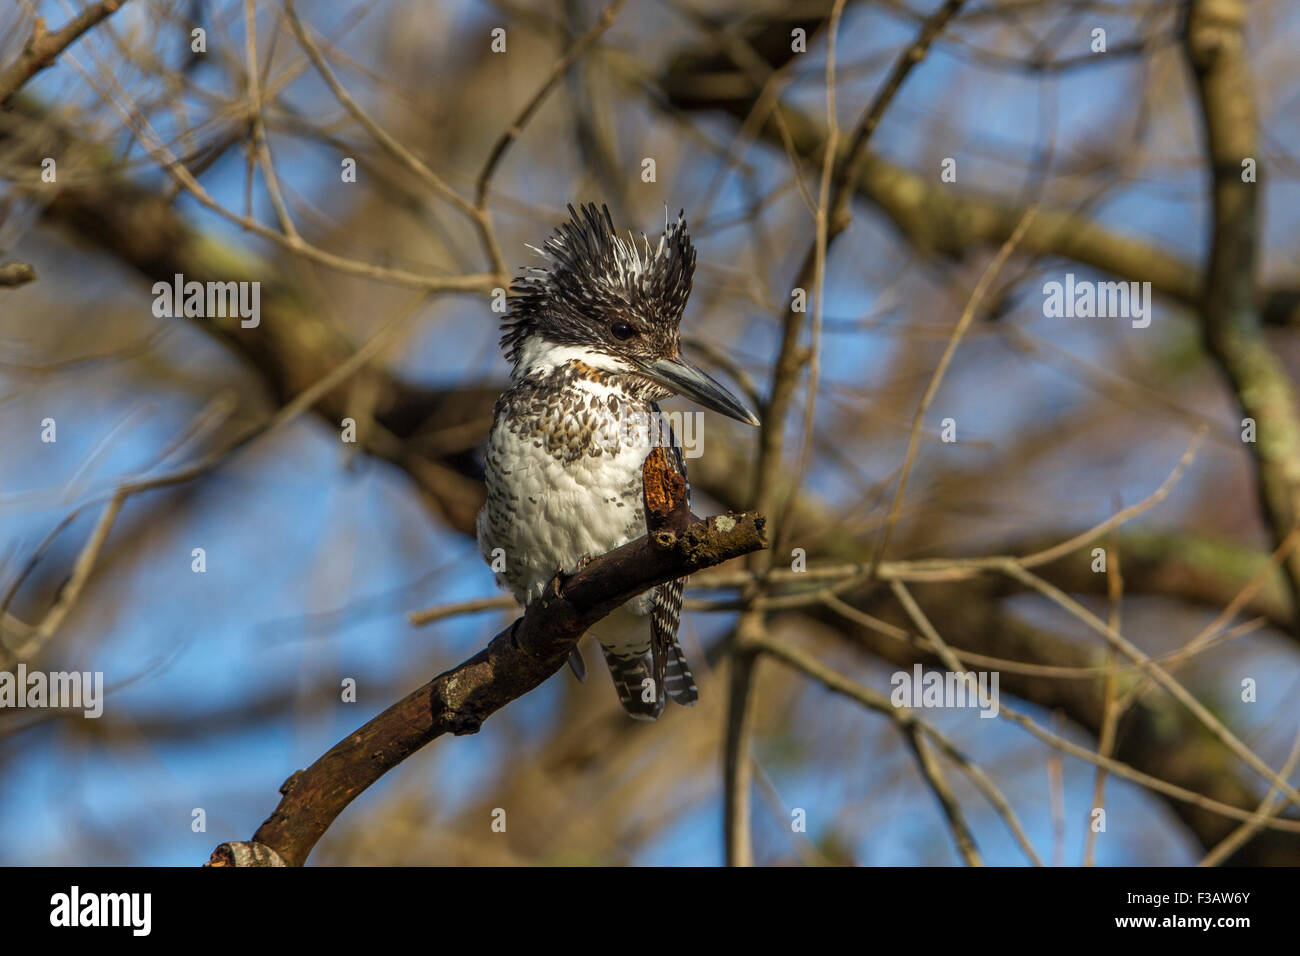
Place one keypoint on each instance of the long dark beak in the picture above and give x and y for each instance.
(690, 382)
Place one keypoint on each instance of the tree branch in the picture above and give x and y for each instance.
(517, 660)
(44, 47)
(933, 217)
(294, 345)
(1216, 51)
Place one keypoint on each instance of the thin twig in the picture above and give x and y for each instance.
(968, 315)
(167, 161)
(395, 149)
(1157, 673)
(1110, 711)
(86, 559)
(43, 47)
(1271, 804)
(511, 132)
(475, 606)
(951, 807)
(260, 145)
(872, 699)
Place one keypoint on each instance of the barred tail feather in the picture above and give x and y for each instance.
(630, 674)
(679, 683)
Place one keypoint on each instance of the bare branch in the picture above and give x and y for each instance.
(43, 48)
(1215, 44)
(511, 132)
(516, 661)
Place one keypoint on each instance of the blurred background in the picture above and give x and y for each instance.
(220, 684)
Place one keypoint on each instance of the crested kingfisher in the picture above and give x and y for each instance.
(592, 340)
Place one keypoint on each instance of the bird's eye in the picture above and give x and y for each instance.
(622, 330)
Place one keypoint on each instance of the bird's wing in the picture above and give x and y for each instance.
(671, 672)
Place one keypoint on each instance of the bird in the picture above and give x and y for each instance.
(592, 336)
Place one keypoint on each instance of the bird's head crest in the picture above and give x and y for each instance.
(603, 292)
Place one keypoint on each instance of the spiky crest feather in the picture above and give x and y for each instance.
(594, 276)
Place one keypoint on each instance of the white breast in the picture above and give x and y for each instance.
(545, 512)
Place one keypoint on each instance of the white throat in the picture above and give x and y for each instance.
(538, 358)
